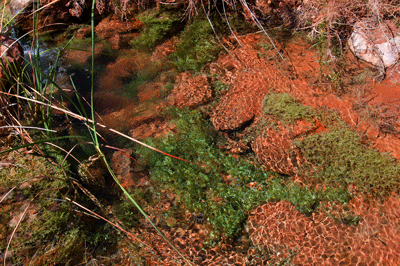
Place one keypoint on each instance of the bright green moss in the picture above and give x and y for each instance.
(286, 108)
(157, 27)
(201, 187)
(338, 156)
(197, 46)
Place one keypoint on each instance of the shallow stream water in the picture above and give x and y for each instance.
(212, 199)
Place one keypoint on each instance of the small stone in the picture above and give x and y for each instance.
(25, 185)
(8, 197)
(7, 255)
(15, 220)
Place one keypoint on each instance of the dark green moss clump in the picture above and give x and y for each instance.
(337, 156)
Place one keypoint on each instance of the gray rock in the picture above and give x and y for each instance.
(15, 6)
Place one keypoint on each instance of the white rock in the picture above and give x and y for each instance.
(376, 44)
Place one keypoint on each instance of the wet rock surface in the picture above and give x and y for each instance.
(250, 78)
(278, 228)
(274, 149)
(191, 91)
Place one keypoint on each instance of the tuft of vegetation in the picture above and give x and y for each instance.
(221, 186)
(158, 27)
(283, 106)
(197, 46)
(339, 157)
(220, 87)
(264, 47)
(51, 229)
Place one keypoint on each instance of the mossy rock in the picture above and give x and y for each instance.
(157, 27)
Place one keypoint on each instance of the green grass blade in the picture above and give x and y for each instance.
(141, 210)
(95, 140)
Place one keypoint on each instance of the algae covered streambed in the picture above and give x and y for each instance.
(250, 132)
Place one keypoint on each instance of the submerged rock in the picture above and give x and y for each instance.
(118, 33)
(277, 227)
(16, 6)
(191, 91)
(11, 59)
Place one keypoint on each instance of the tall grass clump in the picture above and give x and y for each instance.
(37, 92)
(37, 182)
